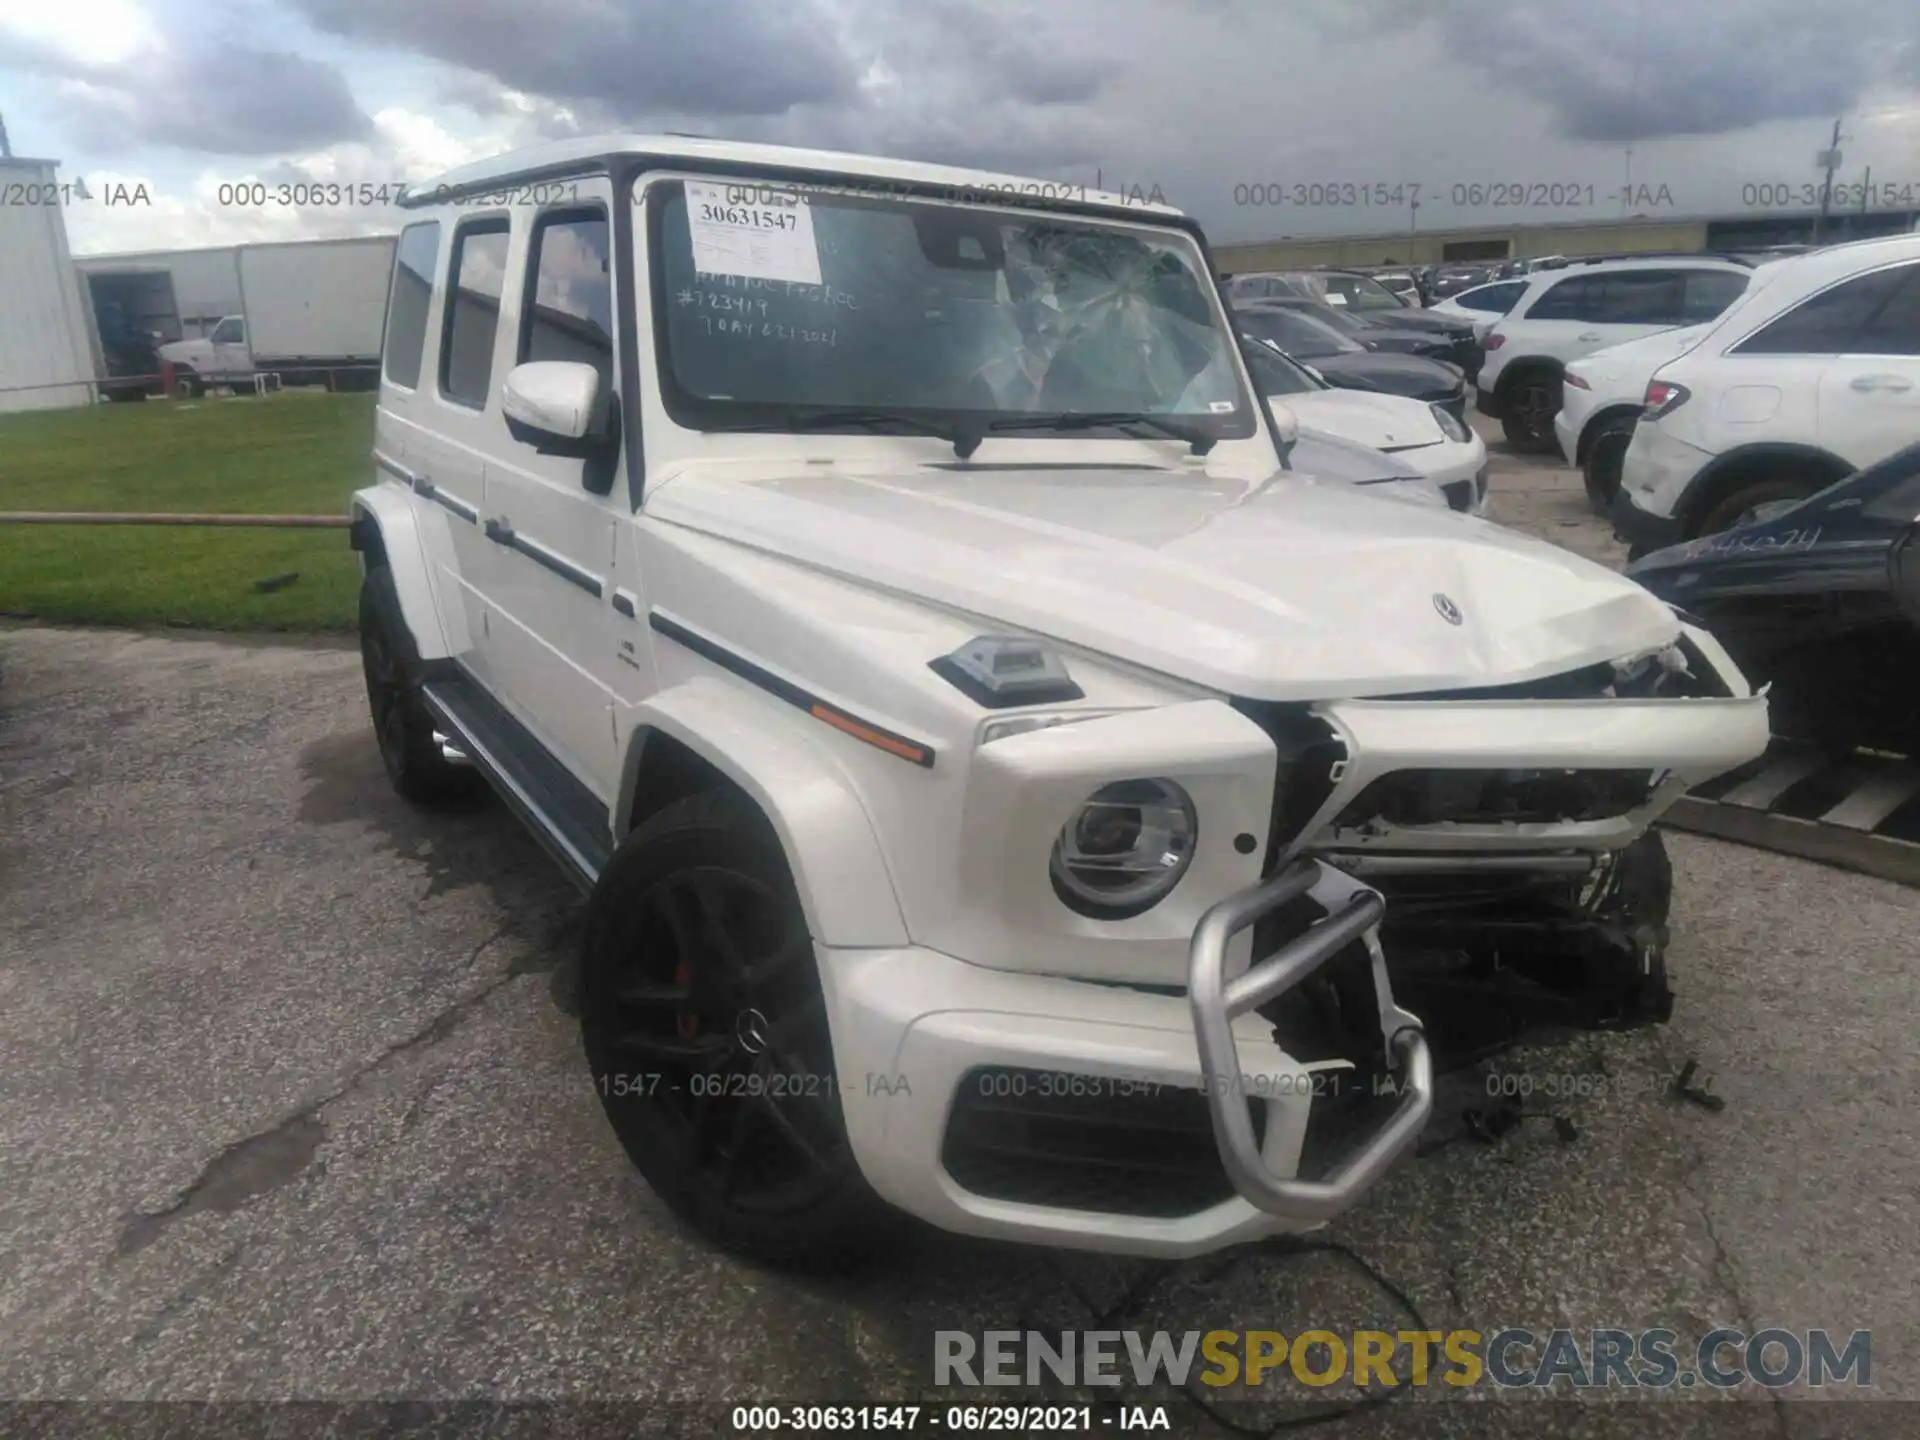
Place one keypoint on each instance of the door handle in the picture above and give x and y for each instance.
(1591, 335)
(1881, 382)
(499, 531)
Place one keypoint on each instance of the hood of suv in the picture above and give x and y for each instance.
(1282, 589)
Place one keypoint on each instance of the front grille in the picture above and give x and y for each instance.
(1497, 797)
(1460, 494)
(1024, 1136)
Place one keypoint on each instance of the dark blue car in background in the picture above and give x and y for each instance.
(1821, 599)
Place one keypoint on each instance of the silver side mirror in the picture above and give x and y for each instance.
(560, 399)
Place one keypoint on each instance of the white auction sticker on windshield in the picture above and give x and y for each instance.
(759, 231)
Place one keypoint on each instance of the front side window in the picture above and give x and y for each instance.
(228, 332)
(476, 279)
(568, 311)
(1274, 373)
(771, 302)
(413, 262)
(1895, 326)
(1828, 323)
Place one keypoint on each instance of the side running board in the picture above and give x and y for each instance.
(569, 820)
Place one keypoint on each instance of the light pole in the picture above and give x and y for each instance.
(1828, 159)
(1413, 229)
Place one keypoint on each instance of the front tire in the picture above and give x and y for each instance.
(1734, 509)
(705, 1029)
(391, 665)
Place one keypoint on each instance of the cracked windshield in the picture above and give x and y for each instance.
(943, 308)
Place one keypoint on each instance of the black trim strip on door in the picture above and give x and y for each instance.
(864, 731)
(556, 564)
(426, 489)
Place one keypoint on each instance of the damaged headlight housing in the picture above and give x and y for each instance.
(1125, 849)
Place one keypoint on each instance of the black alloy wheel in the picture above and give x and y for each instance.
(705, 1027)
(1527, 411)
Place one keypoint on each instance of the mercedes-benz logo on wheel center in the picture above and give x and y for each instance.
(750, 1028)
(1449, 611)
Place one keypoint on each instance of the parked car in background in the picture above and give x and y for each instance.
(1601, 399)
(1379, 331)
(1401, 283)
(1481, 307)
(1342, 361)
(1564, 315)
(1815, 376)
(1450, 280)
(1424, 436)
(1821, 599)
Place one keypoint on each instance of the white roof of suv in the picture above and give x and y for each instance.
(563, 157)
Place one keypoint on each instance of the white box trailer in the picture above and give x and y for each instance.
(46, 358)
(315, 305)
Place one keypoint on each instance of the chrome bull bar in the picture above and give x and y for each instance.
(1354, 913)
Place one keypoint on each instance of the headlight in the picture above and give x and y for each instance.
(1125, 850)
(1451, 425)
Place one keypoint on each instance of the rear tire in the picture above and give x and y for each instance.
(391, 664)
(1605, 454)
(705, 1029)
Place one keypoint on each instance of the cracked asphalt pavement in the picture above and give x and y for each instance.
(291, 1106)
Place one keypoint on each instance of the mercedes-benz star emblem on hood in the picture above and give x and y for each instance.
(1449, 611)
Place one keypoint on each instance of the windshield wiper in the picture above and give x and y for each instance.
(1173, 429)
(965, 441)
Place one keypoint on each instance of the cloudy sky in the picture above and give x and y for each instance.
(1202, 99)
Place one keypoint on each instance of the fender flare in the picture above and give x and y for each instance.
(385, 527)
(838, 864)
(1706, 487)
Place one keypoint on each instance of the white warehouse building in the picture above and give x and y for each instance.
(46, 351)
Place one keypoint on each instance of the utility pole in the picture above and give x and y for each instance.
(1413, 229)
(1829, 159)
(6, 150)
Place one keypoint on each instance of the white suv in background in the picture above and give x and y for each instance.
(1818, 375)
(1483, 306)
(1601, 399)
(1568, 313)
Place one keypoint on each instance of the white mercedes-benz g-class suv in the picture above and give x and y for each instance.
(1007, 790)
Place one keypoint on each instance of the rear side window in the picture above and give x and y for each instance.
(1708, 293)
(476, 277)
(568, 313)
(1568, 300)
(413, 262)
(1494, 299)
(1639, 297)
(1830, 322)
